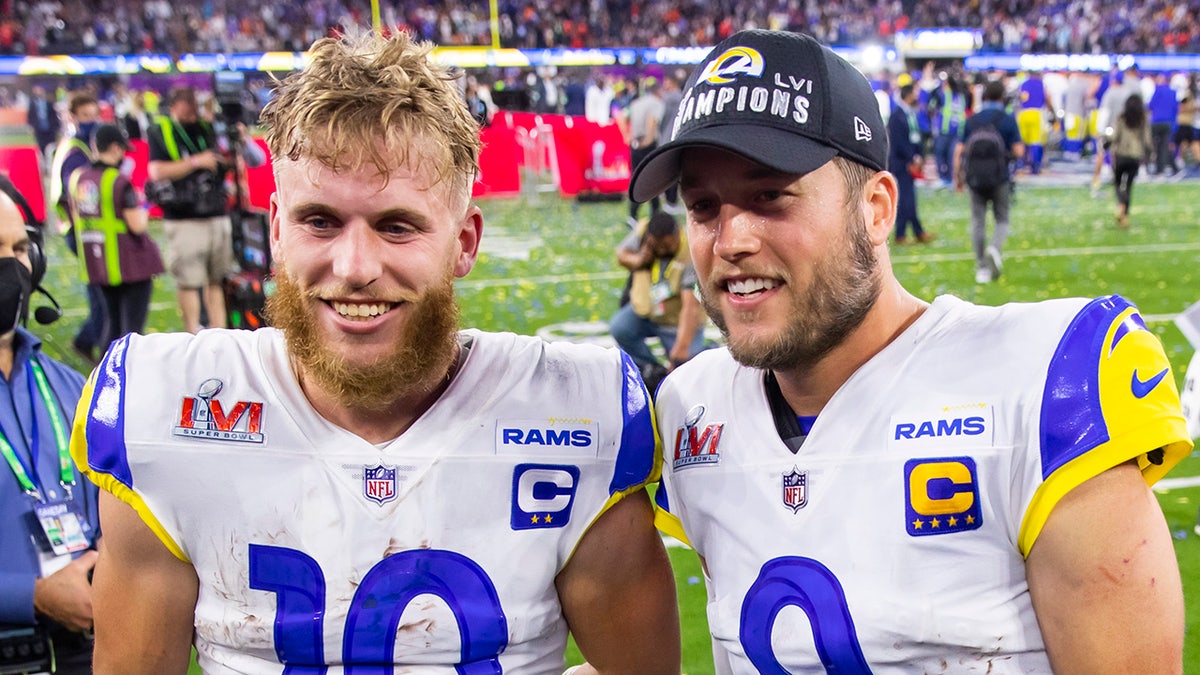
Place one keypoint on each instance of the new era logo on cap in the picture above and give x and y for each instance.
(862, 130)
(777, 98)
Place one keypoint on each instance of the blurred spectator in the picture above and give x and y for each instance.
(575, 96)
(985, 186)
(1131, 145)
(672, 95)
(905, 157)
(120, 258)
(479, 101)
(74, 152)
(598, 100)
(659, 299)
(1163, 108)
(42, 116)
(949, 107)
(645, 117)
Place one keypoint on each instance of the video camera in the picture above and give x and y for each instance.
(228, 87)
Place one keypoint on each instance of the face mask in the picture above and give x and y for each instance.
(86, 129)
(16, 285)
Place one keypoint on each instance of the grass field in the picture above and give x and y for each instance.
(548, 262)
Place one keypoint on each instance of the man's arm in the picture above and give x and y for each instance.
(66, 595)
(618, 594)
(689, 322)
(633, 253)
(1105, 582)
(145, 598)
(132, 212)
(165, 169)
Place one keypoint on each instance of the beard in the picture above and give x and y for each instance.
(844, 287)
(421, 356)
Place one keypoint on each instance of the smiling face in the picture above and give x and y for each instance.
(365, 277)
(786, 265)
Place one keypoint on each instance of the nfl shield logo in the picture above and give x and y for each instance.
(379, 483)
(795, 490)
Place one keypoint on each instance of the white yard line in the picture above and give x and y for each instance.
(1176, 483)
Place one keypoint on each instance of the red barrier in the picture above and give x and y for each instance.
(581, 156)
(23, 166)
(499, 164)
(260, 181)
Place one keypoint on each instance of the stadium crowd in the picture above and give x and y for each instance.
(222, 26)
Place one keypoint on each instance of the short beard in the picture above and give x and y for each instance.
(844, 288)
(423, 353)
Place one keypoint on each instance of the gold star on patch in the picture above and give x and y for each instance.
(952, 522)
(936, 523)
(970, 520)
(535, 519)
(549, 518)
(917, 524)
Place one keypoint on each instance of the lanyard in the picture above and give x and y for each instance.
(37, 377)
(188, 139)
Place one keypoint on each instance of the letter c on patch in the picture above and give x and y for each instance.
(938, 488)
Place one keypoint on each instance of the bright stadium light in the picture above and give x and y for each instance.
(871, 58)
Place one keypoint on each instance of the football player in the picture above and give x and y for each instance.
(876, 483)
(365, 486)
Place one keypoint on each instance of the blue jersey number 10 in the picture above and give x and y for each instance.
(375, 611)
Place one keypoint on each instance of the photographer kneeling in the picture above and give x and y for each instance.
(187, 173)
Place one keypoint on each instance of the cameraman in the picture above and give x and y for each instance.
(186, 155)
(48, 517)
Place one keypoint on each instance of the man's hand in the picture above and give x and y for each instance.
(680, 353)
(204, 160)
(66, 595)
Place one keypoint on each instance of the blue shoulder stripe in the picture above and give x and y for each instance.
(635, 458)
(1072, 418)
(106, 416)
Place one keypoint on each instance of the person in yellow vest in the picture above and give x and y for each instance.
(72, 153)
(185, 154)
(659, 300)
(116, 253)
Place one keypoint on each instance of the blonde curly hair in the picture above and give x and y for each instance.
(372, 100)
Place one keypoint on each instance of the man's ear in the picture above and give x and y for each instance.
(275, 228)
(879, 206)
(469, 234)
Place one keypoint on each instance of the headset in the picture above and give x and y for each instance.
(37, 253)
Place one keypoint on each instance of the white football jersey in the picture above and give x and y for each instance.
(437, 550)
(894, 539)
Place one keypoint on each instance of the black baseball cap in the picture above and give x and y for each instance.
(780, 99)
(107, 134)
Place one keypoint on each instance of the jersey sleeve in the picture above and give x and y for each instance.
(637, 461)
(1109, 397)
(98, 439)
(667, 517)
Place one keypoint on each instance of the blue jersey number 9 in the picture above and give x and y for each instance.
(374, 614)
(809, 585)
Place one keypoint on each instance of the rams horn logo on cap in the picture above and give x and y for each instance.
(734, 61)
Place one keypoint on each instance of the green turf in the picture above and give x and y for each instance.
(548, 261)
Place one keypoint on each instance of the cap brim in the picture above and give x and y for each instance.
(781, 150)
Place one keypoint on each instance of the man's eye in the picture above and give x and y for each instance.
(396, 228)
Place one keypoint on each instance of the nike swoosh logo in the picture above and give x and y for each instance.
(1142, 389)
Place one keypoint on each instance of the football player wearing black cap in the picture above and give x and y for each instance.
(876, 483)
